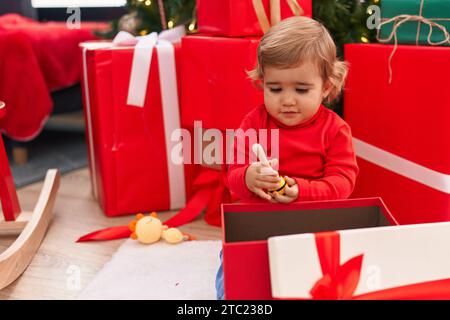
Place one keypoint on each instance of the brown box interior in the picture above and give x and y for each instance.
(254, 226)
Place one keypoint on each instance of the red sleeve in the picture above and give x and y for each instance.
(237, 170)
(340, 171)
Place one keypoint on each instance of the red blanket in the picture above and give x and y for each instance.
(35, 59)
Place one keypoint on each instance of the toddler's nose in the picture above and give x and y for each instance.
(288, 100)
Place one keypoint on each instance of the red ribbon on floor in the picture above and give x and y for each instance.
(340, 281)
(211, 190)
(112, 233)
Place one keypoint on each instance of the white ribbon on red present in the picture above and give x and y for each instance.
(416, 172)
(140, 71)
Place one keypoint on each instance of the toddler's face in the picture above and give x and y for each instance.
(293, 95)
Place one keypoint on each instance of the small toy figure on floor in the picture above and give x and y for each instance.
(150, 229)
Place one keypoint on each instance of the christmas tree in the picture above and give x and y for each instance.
(147, 16)
(345, 19)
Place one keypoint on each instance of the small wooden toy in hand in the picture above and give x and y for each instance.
(149, 229)
(266, 168)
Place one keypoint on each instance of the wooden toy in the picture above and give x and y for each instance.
(31, 226)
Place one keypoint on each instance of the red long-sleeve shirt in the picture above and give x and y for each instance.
(318, 154)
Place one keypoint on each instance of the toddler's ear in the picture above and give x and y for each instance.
(327, 87)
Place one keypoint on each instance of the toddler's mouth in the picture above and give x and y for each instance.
(289, 112)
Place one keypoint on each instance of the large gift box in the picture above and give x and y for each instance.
(246, 228)
(400, 127)
(238, 18)
(417, 21)
(216, 88)
(132, 111)
(398, 262)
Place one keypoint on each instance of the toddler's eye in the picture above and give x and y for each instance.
(275, 90)
(299, 90)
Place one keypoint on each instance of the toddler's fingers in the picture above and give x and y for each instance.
(266, 178)
(290, 192)
(266, 185)
(272, 200)
(282, 199)
(290, 182)
(263, 195)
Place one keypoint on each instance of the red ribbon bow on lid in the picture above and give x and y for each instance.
(340, 281)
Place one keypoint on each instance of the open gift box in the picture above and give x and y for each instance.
(246, 228)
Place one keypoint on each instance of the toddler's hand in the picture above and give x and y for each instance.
(259, 183)
(290, 192)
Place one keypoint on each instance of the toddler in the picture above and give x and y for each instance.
(298, 70)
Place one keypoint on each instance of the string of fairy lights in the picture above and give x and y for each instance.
(165, 24)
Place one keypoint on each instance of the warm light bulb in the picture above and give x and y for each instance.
(191, 27)
(148, 2)
(364, 39)
(170, 24)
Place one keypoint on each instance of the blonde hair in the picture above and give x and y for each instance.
(298, 39)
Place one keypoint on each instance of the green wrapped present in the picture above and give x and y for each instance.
(412, 21)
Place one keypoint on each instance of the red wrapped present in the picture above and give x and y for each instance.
(238, 18)
(216, 88)
(400, 128)
(398, 262)
(246, 228)
(131, 110)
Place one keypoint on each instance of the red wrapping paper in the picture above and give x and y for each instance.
(128, 152)
(407, 121)
(216, 88)
(237, 18)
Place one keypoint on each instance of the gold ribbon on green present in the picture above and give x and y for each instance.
(275, 12)
(403, 18)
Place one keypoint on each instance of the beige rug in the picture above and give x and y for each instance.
(160, 271)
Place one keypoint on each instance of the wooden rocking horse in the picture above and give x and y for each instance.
(31, 226)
